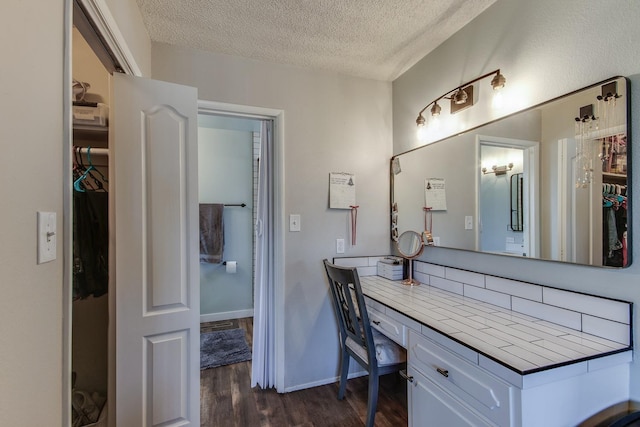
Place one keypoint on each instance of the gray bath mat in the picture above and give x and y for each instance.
(219, 348)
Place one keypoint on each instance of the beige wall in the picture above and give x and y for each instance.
(129, 21)
(32, 40)
(545, 48)
(333, 123)
(30, 180)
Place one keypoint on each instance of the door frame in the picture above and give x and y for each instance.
(100, 19)
(530, 162)
(237, 110)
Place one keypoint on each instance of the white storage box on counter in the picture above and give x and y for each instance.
(391, 268)
(89, 115)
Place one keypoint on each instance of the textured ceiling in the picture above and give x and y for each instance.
(378, 39)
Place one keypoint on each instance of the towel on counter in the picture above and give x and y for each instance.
(211, 232)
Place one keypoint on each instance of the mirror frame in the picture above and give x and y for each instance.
(417, 236)
(394, 168)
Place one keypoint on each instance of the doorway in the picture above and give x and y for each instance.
(89, 305)
(507, 205)
(228, 157)
(268, 233)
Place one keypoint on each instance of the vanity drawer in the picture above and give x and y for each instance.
(471, 384)
(392, 328)
(374, 305)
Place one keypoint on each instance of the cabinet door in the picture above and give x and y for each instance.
(429, 405)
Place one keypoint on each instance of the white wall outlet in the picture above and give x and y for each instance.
(294, 222)
(436, 241)
(468, 222)
(339, 246)
(46, 237)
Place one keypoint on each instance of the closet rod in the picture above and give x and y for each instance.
(96, 151)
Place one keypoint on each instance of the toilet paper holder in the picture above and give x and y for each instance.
(231, 266)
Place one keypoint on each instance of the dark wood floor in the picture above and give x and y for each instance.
(227, 400)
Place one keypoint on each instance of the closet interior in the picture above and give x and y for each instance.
(613, 153)
(90, 265)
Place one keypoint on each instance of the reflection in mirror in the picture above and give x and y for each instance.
(410, 245)
(568, 200)
(516, 201)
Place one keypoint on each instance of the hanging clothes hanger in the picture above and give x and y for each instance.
(80, 183)
(98, 183)
(77, 169)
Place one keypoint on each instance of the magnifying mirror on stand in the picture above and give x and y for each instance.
(410, 245)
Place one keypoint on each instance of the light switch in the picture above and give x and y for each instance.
(294, 222)
(468, 222)
(46, 237)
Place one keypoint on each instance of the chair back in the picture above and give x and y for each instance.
(351, 310)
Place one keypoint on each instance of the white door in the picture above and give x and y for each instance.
(154, 158)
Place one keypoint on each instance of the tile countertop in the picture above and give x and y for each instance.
(519, 342)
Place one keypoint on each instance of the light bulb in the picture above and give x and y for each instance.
(498, 100)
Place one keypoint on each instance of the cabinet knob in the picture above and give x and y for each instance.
(443, 372)
(375, 322)
(404, 375)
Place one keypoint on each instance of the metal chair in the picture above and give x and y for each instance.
(372, 350)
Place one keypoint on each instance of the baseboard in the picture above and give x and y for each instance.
(227, 315)
(324, 381)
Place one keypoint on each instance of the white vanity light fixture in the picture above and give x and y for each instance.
(498, 170)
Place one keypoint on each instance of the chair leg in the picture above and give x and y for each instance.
(373, 399)
(344, 371)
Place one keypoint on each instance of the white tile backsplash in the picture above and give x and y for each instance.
(430, 269)
(561, 316)
(447, 285)
(421, 277)
(367, 271)
(492, 297)
(352, 262)
(607, 309)
(463, 276)
(513, 287)
(608, 329)
(373, 260)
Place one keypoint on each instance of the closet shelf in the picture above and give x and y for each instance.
(614, 177)
(91, 133)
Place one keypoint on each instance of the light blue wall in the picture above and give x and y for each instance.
(545, 48)
(226, 176)
(495, 200)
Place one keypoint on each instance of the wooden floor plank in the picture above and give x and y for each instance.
(227, 400)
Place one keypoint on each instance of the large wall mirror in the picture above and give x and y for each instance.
(550, 182)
